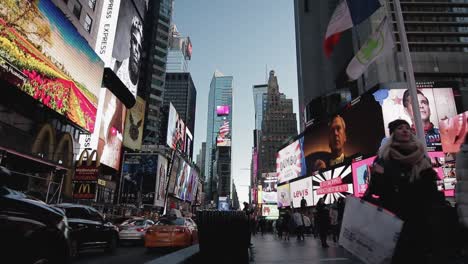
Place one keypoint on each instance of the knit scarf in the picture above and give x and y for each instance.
(410, 153)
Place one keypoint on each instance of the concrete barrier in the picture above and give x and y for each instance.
(180, 256)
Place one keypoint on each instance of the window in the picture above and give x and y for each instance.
(88, 23)
(92, 4)
(77, 9)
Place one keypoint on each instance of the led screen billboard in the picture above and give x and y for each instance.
(453, 131)
(176, 163)
(192, 185)
(270, 211)
(223, 204)
(301, 189)
(435, 104)
(183, 174)
(284, 198)
(43, 55)
(134, 125)
(162, 181)
(444, 165)
(332, 184)
(222, 110)
(224, 136)
(111, 130)
(361, 175)
(127, 48)
(290, 161)
(175, 130)
(269, 188)
(357, 130)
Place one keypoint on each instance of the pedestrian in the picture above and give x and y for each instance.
(262, 225)
(334, 221)
(307, 224)
(299, 223)
(279, 227)
(340, 206)
(286, 225)
(248, 212)
(303, 203)
(403, 180)
(323, 222)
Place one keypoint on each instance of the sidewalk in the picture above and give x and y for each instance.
(269, 249)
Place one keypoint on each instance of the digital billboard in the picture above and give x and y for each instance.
(43, 55)
(127, 47)
(224, 136)
(332, 184)
(357, 130)
(435, 104)
(176, 163)
(199, 194)
(284, 198)
(140, 175)
(301, 189)
(445, 168)
(223, 204)
(453, 131)
(222, 110)
(192, 185)
(269, 188)
(175, 130)
(111, 130)
(183, 173)
(134, 125)
(162, 181)
(361, 175)
(188, 142)
(270, 211)
(290, 161)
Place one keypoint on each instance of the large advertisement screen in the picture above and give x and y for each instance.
(270, 211)
(175, 130)
(134, 125)
(434, 105)
(290, 161)
(224, 135)
(111, 131)
(176, 163)
(284, 198)
(357, 130)
(139, 175)
(43, 55)
(269, 188)
(162, 181)
(222, 110)
(444, 165)
(126, 53)
(361, 175)
(192, 185)
(332, 184)
(301, 189)
(453, 131)
(183, 176)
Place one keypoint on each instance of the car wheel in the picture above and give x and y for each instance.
(112, 244)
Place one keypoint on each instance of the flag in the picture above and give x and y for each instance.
(347, 14)
(379, 44)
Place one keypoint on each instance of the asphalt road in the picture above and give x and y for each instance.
(133, 254)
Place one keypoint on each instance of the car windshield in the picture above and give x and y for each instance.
(171, 221)
(75, 212)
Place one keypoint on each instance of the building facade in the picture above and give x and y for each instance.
(220, 95)
(279, 124)
(259, 96)
(201, 161)
(180, 52)
(153, 68)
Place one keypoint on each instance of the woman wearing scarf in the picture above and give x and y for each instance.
(403, 182)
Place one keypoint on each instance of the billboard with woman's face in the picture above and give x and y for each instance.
(43, 55)
(284, 198)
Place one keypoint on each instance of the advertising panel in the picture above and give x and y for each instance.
(270, 211)
(284, 198)
(222, 110)
(444, 165)
(176, 163)
(191, 190)
(269, 188)
(139, 176)
(43, 55)
(290, 161)
(134, 125)
(127, 48)
(182, 174)
(224, 136)
(84, 190)
(301, 189)
(162, 181)
(332, 184)
(111, 131)
(106, 32)
(199, 193)
(175, 130)
(361, 175)
(223, 204)
(453, 132)
(434, 105)
(86, 173)
(357, 130)
(188, 142)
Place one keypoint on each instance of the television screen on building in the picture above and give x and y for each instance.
(224, 135)
(453, 131)
(269, 188)
(162, 181)
(332, 184)
(176, 163)
(134, 125)
(140, 175)
(301, 189)
(284, 198)
(192, 185)
(361, 175)
(222, 110)
(435, 104)
(444, 165)
(290, 161)
(183, 174)
(270, 211)
(175, 130)
(43, 55)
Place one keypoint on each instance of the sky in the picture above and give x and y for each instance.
(245, 39)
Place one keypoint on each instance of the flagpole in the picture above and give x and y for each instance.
(409, 72)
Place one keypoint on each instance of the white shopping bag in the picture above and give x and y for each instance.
(368, 232)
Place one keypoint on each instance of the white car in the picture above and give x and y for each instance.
(134, 230)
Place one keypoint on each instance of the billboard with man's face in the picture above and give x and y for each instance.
(43, 55)
(435, 104)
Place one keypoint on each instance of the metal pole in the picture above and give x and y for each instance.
(60, 188)
(409, 72)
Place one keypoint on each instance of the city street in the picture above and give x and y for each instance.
(134, 254)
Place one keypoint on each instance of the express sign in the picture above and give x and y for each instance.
(299, 189)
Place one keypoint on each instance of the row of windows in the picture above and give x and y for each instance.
(78, 7)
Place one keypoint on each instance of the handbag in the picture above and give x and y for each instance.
(362, 233)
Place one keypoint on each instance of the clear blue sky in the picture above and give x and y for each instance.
(238, 38)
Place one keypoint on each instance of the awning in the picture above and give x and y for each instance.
(30, 157)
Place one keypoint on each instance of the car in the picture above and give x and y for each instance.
(134, 230)
(31, 230)
(88, 229)
(172, 231)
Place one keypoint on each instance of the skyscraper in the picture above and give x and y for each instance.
(219, 119)
(153, 67)
(259, 95)
(279, 124)
(180, 52)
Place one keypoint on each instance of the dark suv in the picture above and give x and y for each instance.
(31, 231)
(88, 228)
